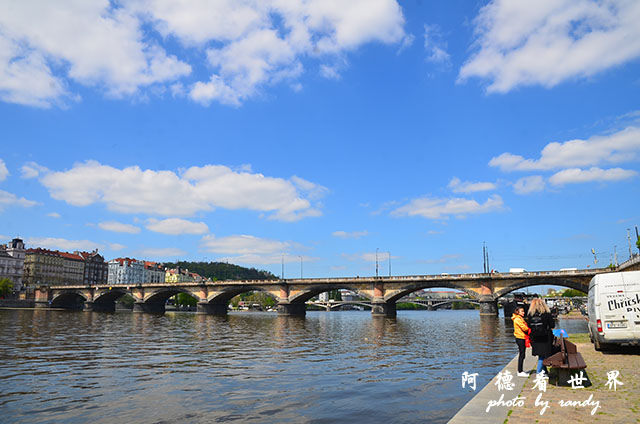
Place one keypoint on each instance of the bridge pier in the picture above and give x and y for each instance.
(383, 309)
(292, 309)
(489, 306)
(99, 307)
(218, 309)
(152, 308)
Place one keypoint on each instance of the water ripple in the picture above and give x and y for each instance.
(77, 367)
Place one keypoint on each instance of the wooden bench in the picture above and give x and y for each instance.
(567, 361)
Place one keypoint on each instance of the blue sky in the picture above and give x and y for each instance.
(320, 132)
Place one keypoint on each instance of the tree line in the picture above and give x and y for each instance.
(221, 271)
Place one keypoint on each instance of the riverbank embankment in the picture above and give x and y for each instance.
(612, 397)
(16, 303)
(475, 411)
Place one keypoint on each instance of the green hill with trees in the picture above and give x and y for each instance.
(221, 271)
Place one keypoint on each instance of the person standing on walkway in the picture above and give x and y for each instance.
(540, 322)
(520, 329)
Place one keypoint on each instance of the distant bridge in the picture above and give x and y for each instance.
(427, 302)
(292, 294)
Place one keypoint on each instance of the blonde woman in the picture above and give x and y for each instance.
(540, 322)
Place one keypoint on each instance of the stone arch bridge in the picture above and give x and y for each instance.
(292, 294)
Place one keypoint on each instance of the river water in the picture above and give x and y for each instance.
(77, 367)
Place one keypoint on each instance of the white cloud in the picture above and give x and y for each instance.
(441, 260)
(251, 259)
(434, 208)
(434, 46)
(167, 252)
(313, 191)
(25, 77)
(348, 235)
(575, 175)
(10, 199)
(176, 226)
(466, 187)
(549, 41)
(133, 190)
(119, 227)
(330, 72)
(380, 256)
(121, 47)
(528, 185)
(32, 170)
(262, 43)
(622, 146)
(96, 43)
(116, 246)
(243, 245)
(54, 215)
(4, 172)
(248, 249)
(63, 244)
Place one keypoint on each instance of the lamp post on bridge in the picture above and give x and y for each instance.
(300, 266)
(377, 261)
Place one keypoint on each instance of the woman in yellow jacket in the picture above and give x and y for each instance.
(520, 330)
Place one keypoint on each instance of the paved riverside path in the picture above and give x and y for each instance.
(619, 406)
(475, 410)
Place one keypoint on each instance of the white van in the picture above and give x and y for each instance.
(614, 309)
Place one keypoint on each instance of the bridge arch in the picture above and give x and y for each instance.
(313, 291)
(394, 296)
(155, 301)
(163, 294)
(111, 295)
(436, 303)
(217, 302)
(225, 296)
(573, 284)
(336, 305)
(69, 300)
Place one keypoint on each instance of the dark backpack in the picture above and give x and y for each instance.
(536, 324)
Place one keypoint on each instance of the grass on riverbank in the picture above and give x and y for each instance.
(579, 338)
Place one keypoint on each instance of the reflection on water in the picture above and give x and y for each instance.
(247, 367)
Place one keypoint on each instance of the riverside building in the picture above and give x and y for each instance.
(12, 262)
(154, 272)
(126, 271)
(96, 269)
(55, 268)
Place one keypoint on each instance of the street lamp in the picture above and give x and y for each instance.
(300, 266)
(377, 261)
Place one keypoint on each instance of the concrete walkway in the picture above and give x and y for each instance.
(599, 403)
(475, 411)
